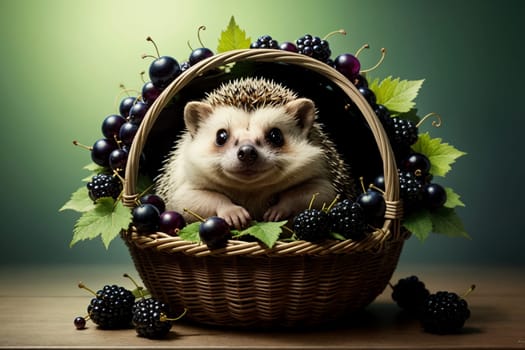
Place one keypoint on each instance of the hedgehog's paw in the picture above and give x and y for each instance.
(235, 215)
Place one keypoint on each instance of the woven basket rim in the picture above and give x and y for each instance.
(164, 242)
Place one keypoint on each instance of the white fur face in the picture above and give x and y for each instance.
(262, 148)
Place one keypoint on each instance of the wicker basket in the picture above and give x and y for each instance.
(246, 283)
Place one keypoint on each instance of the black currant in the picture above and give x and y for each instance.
(146, 217)
(170, 222)
(215, 232)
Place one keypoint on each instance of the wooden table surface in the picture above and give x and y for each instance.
(38, 305)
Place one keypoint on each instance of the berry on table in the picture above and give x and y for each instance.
(80, 322)
(410, 294)
(111, 308)
(149, 316)
(444, 313)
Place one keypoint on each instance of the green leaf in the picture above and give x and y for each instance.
(190, 232)
(453, 199)
(233, 38)
(447, 222)
(95, 168)
(107, 219)
(266, 232)
(79, 201)
(419, 223)
(396, 94)
(441, 155)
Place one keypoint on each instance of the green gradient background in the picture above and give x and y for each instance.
(62, 63)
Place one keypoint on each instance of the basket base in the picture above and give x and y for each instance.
(266, 292)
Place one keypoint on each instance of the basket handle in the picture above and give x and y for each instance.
(391, 195)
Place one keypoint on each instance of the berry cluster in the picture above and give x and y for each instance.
(115, 307)
(348, 218)
(315, 47)
(442, 312)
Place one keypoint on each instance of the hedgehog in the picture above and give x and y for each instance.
(252, 149)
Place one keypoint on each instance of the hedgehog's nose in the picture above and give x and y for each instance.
(247, 154)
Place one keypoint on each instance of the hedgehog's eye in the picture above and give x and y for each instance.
(275, 137)
(221, 137)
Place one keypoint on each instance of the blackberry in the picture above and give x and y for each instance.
(149, 318)
(112, 307)
(348, 219)
(104, 185)
(404, 133)
(444, 313)
(410, 294)
(410, 188)
(312, 225)
(265, 42)
(314, 46)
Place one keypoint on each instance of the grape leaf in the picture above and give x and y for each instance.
(266, 232)
(79, 201)
(107, 219)
(447, 222)
(233, 38)
(441, 155)
(452, 199)
(190, 232)
(395, 94)
(419, 223)
(441, 221)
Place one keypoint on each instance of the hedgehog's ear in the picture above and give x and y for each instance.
(194, 114)
(303, 110)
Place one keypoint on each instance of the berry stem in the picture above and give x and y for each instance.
(164, 318)
(339, 31)
(143, 56)
(362, 181)
(435, 123)
(333, 202)
(312, 200)
(155, 45)
(383, 54)
(83, 286)
(374, 187)
(199, 34)
(76, 143)
(470, 290)
(365, 46)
